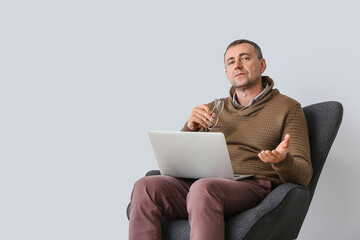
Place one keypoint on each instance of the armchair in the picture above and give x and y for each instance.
(281, 214)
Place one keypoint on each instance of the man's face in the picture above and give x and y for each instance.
(243, 67)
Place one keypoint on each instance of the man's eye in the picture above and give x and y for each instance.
(245, 58)
(231, 62)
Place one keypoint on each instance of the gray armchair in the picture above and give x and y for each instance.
(281, 214)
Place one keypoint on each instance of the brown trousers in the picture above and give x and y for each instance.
(205, 202)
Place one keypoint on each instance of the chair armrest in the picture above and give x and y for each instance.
(283, 204)
(153, 172)
(128, 211)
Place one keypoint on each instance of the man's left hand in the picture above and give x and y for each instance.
(277, 155)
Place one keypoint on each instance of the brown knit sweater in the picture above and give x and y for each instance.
(262, 126)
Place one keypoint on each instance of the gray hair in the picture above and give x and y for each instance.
(240, 41)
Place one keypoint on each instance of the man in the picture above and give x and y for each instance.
(267, 137)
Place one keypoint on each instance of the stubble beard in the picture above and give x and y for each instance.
(243, 84)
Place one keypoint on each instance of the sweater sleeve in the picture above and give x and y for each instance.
(296, 167)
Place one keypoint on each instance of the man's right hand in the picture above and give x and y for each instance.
(199, 117)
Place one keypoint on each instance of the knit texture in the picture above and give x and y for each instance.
(262, 126)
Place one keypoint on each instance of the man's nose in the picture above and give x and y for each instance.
(238, 65)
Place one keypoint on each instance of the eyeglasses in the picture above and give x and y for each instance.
(216, 111)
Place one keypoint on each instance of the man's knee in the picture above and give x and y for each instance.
(202, 192)
(147, 187)
(202, 185)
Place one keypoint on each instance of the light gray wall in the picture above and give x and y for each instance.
(83, 81)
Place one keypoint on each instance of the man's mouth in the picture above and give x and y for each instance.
(239, 74)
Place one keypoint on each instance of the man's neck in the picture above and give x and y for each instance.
(246, 96)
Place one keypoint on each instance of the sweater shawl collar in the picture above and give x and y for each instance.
(260, 103)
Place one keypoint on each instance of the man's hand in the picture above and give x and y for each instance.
(199, 117)
(278, 154)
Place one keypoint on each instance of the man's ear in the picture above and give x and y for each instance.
(263, 65)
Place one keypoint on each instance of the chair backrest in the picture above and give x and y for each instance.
(323, 121)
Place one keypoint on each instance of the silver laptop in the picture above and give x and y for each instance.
(193, 155)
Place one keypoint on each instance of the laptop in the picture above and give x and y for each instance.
(193, 155)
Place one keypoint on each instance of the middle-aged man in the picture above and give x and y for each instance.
(267, 136)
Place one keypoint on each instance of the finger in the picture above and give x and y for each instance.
(269, 156)
(262, 157)
(286, 141)
(203, 112)
(199, 120)
(266, 156)
(205, 108)
(199, 117)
